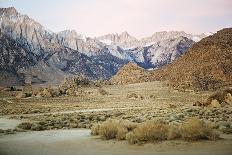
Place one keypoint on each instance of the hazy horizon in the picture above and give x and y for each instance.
(140, 18)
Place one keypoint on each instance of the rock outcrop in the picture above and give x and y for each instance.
(129, 73)
(206, 65)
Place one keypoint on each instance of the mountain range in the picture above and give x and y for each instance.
(31, 52)
(207, 65)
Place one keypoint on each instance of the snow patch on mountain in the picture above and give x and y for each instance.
(106, 41)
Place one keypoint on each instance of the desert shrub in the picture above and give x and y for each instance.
(203, 81)
(148, 132)
(74, 82)
(103, 92)
(173, 132)
(27, 89)
(20, 95)
(36, 127)
(9, 131)
(55, 92)
(195, 129)
(227, 130)
(95, 129)
(121, 132)
(108, 129)
(153, 96)
(154, 130)
(25, 125)
(132, 138)
(71, 92)
(12, 88)
(112, 128)
(46, 93)
(37, 91)
(1, 131)
(124, 127)
(134, 96)
(81, 81)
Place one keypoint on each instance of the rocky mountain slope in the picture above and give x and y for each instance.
(47, 54)
(151, 52)
(206, 65)
(52, 56)
(124, 39)
(160, 53)
(129, 73)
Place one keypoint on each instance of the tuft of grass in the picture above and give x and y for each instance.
(112, 129)
(108, 129)
(95, 129)
(195, 129)
(25, 125)
(121, 132)
(149, 131)
(174, 132)
(103, 92)
(227, 130)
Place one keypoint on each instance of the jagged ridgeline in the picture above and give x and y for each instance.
(30, 52)
(207, 65)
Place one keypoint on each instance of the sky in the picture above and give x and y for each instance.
(139, 18)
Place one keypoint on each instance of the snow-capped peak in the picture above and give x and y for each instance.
(106, 41)
(208, 33)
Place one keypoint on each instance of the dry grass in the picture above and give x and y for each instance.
(154, 130)
(25, 125)
(195, 129)
(112, 128)
(103, 92)
(117, 98)
(149, 131)
(174, 132)
(95, 129)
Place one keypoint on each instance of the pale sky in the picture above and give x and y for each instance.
(140, 18)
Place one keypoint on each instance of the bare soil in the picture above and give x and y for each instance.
(134, 102)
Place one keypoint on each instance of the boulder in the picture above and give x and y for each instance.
(228, 99)
(20, 95)
(27, 89)
(215, 104)
(55, 92)
(46, 93)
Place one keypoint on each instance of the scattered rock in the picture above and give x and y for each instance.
(20, 95)
(215, 104)
(228, 99)
(46, 93)
(103, 92)
(134, 96)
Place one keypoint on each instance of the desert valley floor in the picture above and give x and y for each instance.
(61, 125)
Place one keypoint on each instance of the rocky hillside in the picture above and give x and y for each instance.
(160, 53)
(206, 65)
(129, 73)
(151, 52)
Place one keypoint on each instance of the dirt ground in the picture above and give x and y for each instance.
(60, 116)
(79, 142)
(150, 94)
